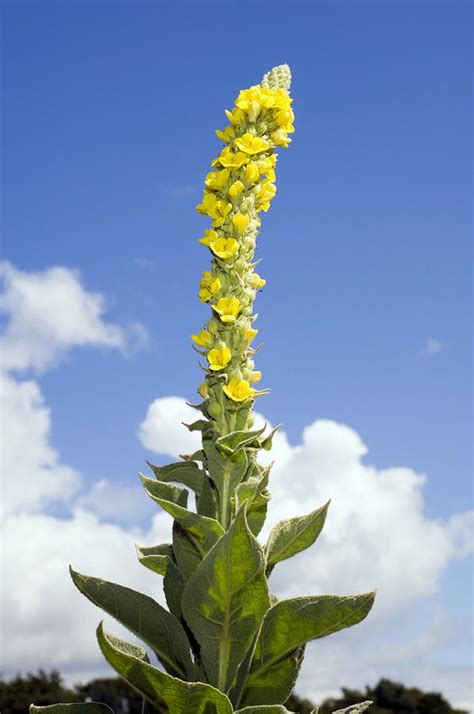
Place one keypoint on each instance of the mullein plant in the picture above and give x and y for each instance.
(226, 643)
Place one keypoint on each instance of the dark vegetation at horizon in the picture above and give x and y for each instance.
(43, 689)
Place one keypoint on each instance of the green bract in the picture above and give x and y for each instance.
(225, 644)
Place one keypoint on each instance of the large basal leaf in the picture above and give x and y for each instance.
(154, 557)
(186, 472)
(293, 535)
(287, 627)
(79, 708)
(225, 600)
(157, 627)
(165, 693)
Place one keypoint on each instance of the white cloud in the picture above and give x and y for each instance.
(431, 347)
(109, 500)
(162, 430)
(50, 312)
(33, 476)
(45, 620)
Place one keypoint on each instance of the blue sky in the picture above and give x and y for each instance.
(109, 112)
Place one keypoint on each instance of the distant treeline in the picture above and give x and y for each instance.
(42, 688)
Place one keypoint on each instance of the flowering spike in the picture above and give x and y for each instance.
(237, 191)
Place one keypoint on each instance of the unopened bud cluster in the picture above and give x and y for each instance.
(240, 186)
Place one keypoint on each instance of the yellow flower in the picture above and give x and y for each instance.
(238, 390)
(214, 207)
(224, 248)
(232, 160)
(203, 390)
(236, 116)
(265, 194)
(254, 98)
(207, 203)
(240, 222)
(208, 237)
(227, 308)
(251, 144)
(216, 180)
(267, 163)
(203, 339)
(255, 377)
(219, 358)
(209, 285)
(226, 135)
(280, 138)
(252, 173)
(236, 189)
(221, 210)
(250, 334)
(257, 282)
(282, 99)
(285, 118)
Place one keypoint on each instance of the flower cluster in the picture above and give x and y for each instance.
(240, 186)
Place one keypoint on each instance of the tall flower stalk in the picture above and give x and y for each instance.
(225, 644)
(240, 187)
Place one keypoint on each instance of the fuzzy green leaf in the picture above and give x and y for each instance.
(165, 491)
(225, 600)
(275, 684)
(205, 530)
(236, 440)
(206, 498)
(226, 471)
(145, 618)
(287, 627)
(294, 535)
(166, 694)
(173, 586)
(267, 443)
(79, 708)
(185, 472)
(199, 425)
(254, 493)
(154, 557)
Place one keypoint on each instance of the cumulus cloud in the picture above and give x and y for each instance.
(33, 474)
(45, 621)
(162, 430)
(48, 312)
